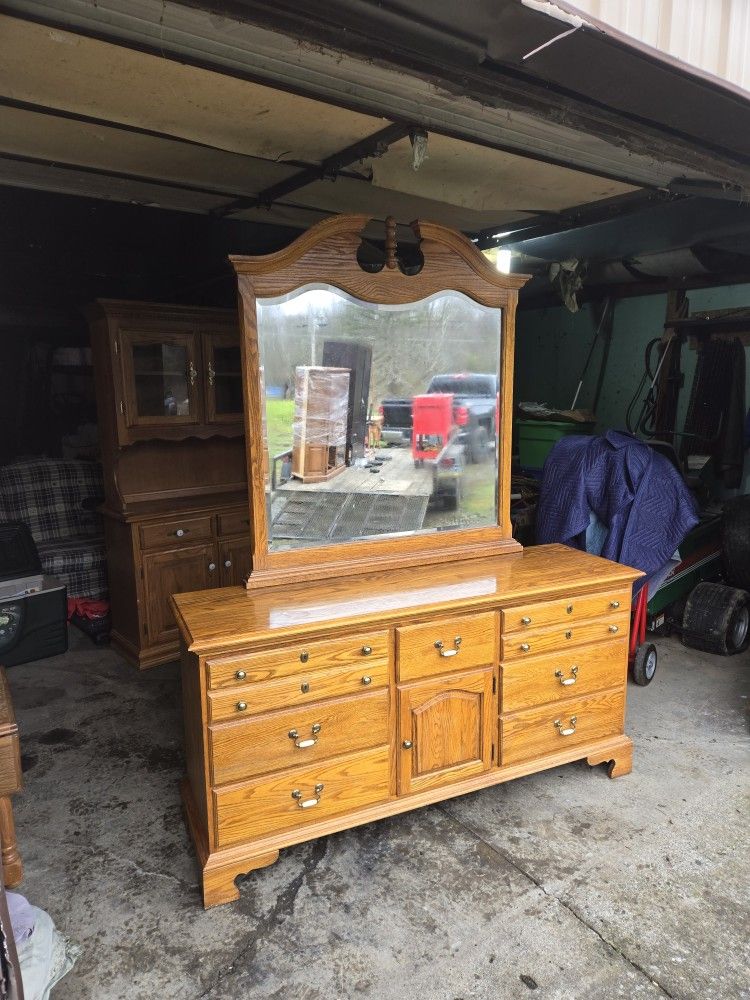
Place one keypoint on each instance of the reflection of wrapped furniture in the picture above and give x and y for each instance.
(321, 407)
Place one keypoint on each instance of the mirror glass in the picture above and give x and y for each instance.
(377, 419)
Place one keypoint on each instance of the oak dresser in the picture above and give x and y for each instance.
(311, 709)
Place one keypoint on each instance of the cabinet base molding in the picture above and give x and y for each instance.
(221, 868)
(619, 760)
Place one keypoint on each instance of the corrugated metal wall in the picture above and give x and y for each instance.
(711, 34)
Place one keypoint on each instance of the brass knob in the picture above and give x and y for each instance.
(366, 650)
(228, 563)
(524, 647)
(366, 680)
(614, 605)
(304, 657)
(568, 635)
(304, 687)
(614, 628)
(240, 675)
(241, 706)
(569, 609)
(525, 621)
(407, 744)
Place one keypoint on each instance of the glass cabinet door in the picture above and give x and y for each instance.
(161, 378)
(223, 381)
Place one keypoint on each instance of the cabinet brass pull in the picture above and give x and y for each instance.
(568, 635)
(566, 681)
(614, 605)
(439, 646)
(211, 373)
(525, 620)
(240, 675)
(569, 609)
(407, 744)
(192, 373)
(241, 706)
(304, 657)
(366, 650)
(308, 803)
(524, 647)
(570, 730)
(310, 741)
(304, 687)
(614, 628)
(366, 680)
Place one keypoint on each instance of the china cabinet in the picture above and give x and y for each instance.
(169, 398)
(390, 649)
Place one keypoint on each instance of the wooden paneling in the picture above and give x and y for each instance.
(236, 522)
(327, 729)
(446, 645)
(234, 560)
(445, 730)
(576, 722)
(564, 636)
(558, 675)
(259, 807)
(575, 608)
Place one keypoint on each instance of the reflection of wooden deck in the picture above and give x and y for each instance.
(397, 476)
(357, 503)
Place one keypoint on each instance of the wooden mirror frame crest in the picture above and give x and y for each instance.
(327, 253)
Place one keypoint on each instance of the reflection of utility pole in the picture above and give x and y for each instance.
(317, 321)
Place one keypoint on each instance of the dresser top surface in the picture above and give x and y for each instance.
(232, 617)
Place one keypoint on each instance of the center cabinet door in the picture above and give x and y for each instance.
(445, 730)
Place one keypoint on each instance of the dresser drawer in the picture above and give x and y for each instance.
(300, 689)
(556, 638)
(185, 529)
(321, 791)
(365, 651)
(573, 609)
(299, 737)
(236, 522)
(541, 679)
(539, 732)
(446, 644)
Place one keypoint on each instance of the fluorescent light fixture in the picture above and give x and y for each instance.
(503, 260)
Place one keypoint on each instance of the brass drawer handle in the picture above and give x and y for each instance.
(439, 646)
(525, 620)
(304, 687)
(567, 681)
(570, 730)
(407, 744)
(366, 680)
(614, 605)
(614, 628)
(524, 647)
(240, 675)
(304, 657)
(310, 741)
(569, 609)
(308, 803)
(366, 650)
(241, 706)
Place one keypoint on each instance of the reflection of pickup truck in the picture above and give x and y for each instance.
(474, 412)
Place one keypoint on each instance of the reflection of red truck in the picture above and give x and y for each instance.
(434, 439)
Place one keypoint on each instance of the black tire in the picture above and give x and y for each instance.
(735, 538)
(644, 664)
(717, 619)
(478, 452)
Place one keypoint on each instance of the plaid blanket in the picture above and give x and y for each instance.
(56, 500)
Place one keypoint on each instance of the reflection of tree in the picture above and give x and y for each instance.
(409, 344)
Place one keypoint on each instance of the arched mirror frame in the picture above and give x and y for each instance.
(327, 253)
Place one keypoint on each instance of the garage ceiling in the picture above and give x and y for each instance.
(85, 116)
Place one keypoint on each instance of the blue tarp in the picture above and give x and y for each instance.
(635, 492)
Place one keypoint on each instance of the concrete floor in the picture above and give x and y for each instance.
(560, 885)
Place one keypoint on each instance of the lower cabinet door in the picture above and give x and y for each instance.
(234, 560)
(445, 730)
(174, 571)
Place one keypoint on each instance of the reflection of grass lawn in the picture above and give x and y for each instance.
(279, 416)
(479, 490)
